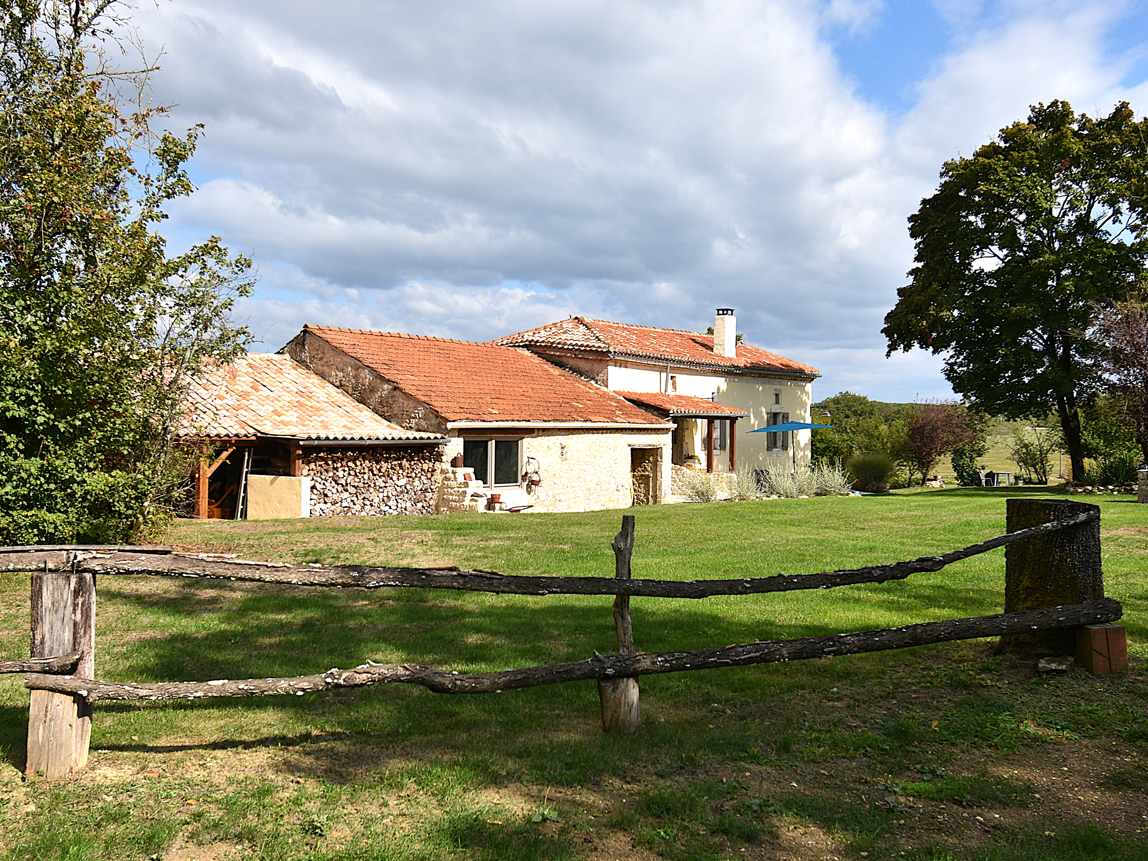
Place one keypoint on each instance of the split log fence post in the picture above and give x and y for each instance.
(63, 622)
(1054, 569)
(619, 697)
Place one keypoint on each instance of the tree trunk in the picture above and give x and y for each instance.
(1070, 427)
(1054, 569)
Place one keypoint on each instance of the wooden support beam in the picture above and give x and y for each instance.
(202, 478)
(296, 459)
(733, 445)
(619, 697)
(63, 621)
(709, 445)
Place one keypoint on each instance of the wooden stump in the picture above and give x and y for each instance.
(1051, 570)
(63, 621)
(619, 697)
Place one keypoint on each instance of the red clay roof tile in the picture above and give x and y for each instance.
(273, 395)
(683, 405)
(582, 334)
(468, 382)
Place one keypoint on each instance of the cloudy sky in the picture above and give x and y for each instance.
(472, 168)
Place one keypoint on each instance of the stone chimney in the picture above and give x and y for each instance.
(725, 333)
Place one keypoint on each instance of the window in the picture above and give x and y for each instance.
(721, 435)
(777, 440)
(493, 457)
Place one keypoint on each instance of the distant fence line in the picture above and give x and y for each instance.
(1059, 567)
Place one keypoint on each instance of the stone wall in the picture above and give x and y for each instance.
(680, 475)
(456, 493)
(375, 481)
(588, 470)
(363, 384)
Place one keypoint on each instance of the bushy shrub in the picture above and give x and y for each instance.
(871, 471)
(965, 465)
(701, 487)
(830, 479)
(1031, 451)
(781, 480)
(745, 484)
(1118, 468)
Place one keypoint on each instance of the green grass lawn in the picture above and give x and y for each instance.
(943, 752)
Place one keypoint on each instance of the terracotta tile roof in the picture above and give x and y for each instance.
(582, 335)
(273, 395)
(466, 382)
(683, 405)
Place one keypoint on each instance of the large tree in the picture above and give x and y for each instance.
(1121, 335)
(1015, 251)
(99, 326)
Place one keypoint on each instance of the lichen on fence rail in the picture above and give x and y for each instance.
(371, 577)
(600, 666)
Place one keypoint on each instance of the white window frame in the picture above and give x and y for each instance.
(489, 466)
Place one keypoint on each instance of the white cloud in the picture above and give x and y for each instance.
(468, 169)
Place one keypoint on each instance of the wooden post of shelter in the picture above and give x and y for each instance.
(1050, 570)
(709, 445)
(619, 697)
(733, 445)
(63, 621)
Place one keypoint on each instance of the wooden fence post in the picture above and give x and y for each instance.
(619, 697)
(63, 621)
(1050, 570)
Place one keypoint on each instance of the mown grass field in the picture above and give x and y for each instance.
(937, 753)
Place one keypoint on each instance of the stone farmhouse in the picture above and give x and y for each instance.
(577, 415)
(529, 433)
(714, 389)
(279, 441)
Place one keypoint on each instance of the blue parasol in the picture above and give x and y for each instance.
(792, 426)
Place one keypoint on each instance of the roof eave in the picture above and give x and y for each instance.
(530, 425)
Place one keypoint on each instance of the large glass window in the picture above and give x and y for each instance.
(493, 457)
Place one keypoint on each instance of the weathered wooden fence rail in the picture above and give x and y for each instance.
(1054, 587)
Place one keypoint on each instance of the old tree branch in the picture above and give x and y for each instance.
(365, 577)
(598, 667)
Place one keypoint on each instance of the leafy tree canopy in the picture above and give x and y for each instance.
(1014, 253)
(99, 327)
(1121, 336)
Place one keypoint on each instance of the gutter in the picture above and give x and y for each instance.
(529, 425)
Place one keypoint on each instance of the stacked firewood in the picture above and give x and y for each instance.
(391, 480)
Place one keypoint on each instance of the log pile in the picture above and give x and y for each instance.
(377, 481)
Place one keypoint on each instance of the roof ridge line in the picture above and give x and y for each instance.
(407, 335)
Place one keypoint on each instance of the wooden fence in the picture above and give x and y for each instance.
(1054, 588)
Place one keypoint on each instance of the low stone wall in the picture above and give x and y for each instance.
(680, 475)
(456, 493)
(372, 481)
